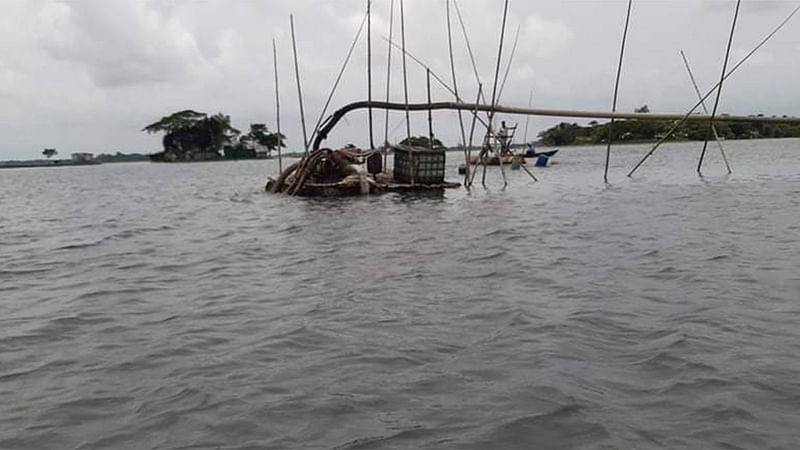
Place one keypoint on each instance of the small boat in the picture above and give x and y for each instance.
(495, 161)
(475, 160)
(532, 153)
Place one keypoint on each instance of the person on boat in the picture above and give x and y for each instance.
(531, 151)
(504, 137)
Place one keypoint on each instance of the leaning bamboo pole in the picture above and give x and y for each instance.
(688, 115)
(388, 85)
(339, 76)
(299, 88)
(405, 69)
(489, 127)
(469, 49)
(616, 91)
(337, 116)
(705, 110)
(472, 133)
(509, 64)
(527, 118)
(369, 69)
(277, 103)
(430, 113)
(455, 93)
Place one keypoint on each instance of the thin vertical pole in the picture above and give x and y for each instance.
(719, 88)
(472, 132)
(388, 84)
(299, 89)
(430, 113)
(616, 91)
(527, 117)
(369, 70)
(703, 104)
(494, 94)
(405, 73)
(455, 92)
(499, 57)
(484, 152)
(277, 103)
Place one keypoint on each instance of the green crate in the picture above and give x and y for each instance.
(418, 165)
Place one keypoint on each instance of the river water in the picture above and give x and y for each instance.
(178, 306)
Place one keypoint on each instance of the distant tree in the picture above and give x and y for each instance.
(49, 152)
(421, 141)
(192, 135)
(561, 134)
(259, 134)
(642, 109)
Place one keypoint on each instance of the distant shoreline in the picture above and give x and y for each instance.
(45, 163)
(653, 141)
(22, 164)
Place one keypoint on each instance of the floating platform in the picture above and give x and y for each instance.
(403, 187)
(333, 173)
(364, 184)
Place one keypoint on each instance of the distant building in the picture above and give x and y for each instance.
(82, 157)
(262, 151)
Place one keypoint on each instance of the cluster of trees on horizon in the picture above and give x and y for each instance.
(633, 130)
(191, 136)
(194, 136)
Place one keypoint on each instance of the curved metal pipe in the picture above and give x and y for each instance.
(334, 118)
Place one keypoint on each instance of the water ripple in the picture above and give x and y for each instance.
(656, 312)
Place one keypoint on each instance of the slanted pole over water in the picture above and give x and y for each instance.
(705, 110)
(277, 103)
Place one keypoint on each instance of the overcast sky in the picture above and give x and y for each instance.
(88, 75)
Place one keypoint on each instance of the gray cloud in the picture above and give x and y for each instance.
(89, 74)
(120, 42)
(747, 6)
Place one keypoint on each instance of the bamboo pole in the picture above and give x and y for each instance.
(688, 115)
(502, 167)
(455, 92)
(719, 88)
(405, 73)
(508, 65)
(369, 69)
(489, 129)
(388, 84)
(430, 112)
(499, 57)
(705, 110)
(436, 77)
(339, 76)
(469, 49)
(482, 155)
(472, 132)
(616, 90)
(529, 172)
(277, 103)
(299, 89)
(527, 118)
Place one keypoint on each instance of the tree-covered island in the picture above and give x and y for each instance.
(194, 136)
(650, 130)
